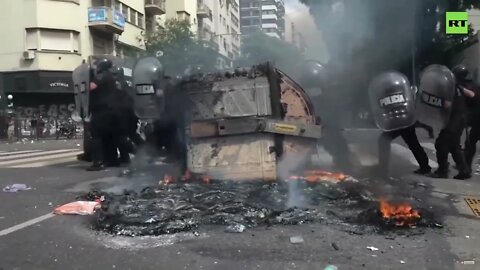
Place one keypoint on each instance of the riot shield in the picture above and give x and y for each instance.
(148, 81)
(392, 101)
(81, 81)
(435, 96)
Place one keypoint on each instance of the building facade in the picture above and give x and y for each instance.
(44, 47)
(265, 15)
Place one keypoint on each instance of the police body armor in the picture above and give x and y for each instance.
(435, 97)
(149, 84)
(392, 101)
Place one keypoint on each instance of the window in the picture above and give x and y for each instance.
(133, 17)
(117, 5)
(102, 45)
(76, 41)
(101, 3)
(59, 40)
(125, 11)
(140, 21)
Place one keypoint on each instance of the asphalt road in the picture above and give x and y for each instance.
(67, 242)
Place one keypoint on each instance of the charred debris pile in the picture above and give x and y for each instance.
(179, 206)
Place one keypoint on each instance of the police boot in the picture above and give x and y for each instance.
(441, 172)
(96, 166)
(423, 171)
(463, 175)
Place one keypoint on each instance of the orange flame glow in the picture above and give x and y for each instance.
(314, 176)
(167, 179)
(403, 213)
(206, 179)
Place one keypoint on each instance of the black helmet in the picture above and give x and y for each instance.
(103, 64)
(460, 72)
(118, 72)
(312, 74)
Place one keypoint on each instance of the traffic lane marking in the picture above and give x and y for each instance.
(25, 224)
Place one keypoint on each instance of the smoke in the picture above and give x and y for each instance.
(370, 35)
(289, 164)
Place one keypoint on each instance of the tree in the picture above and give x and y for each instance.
(180, 48)
(259, 47)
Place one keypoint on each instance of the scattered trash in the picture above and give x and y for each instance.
(372, 248)
(196, 233)
(78, 144)
(77, 208)
(50, 204)
(335, 246)
(238, 228)
(331, 267)
(16, 188)
(402, 262)
(296, 240)
(467, 236)
(150, 220)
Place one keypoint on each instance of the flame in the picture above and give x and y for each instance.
(314, 176)
(403, 213)
(206, 179)
(167, 179)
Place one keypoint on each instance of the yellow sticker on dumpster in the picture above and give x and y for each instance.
(285, 128)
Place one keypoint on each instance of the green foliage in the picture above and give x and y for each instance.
(180, 48)
(259, 47)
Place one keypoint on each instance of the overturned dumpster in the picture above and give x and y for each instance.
(240, 124)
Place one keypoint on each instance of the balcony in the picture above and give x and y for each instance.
(106, 19)
(155, 7)
(203, 11)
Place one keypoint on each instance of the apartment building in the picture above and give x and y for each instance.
(44, 40)
(265, 15)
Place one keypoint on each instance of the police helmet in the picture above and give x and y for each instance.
(118, 72)
(312, 74)
(460, 72)
(103, 64)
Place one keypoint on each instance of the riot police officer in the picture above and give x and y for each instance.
(470, 90)
(393, 105)
(448, 140)
(313, 78)
(102, 120)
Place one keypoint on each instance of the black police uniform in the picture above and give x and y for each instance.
(410, 137)
(448, 140)
(473, 121)
(102, 115)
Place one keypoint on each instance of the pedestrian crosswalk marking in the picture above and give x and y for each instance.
(6, 154)
(33, 154)
(38, 158)
(55, 160)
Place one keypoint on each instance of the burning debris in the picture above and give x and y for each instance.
(401, 215)
(184, 204)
